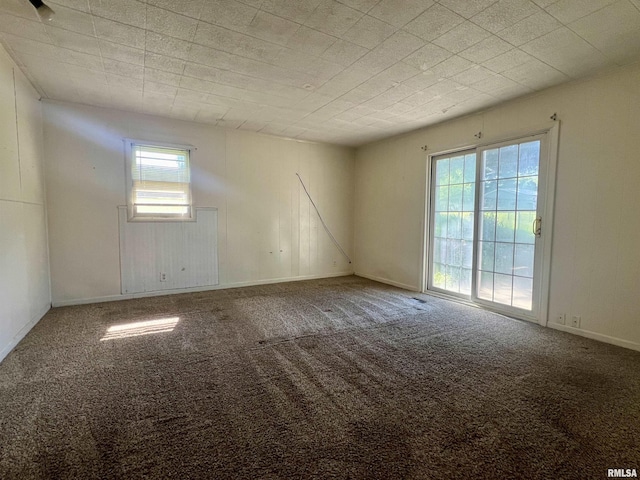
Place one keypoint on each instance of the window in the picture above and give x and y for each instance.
(158, 181)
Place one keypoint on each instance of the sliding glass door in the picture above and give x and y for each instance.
(485, 225)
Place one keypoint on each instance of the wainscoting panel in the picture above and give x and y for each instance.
(156, 256)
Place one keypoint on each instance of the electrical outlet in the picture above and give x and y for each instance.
(575, 321)
(561, 318)
(163, 277)
(335, 263)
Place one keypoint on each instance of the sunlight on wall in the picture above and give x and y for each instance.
(136, 329)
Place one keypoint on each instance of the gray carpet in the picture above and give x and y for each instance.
(335, 378)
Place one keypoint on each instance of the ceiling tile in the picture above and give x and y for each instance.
(82, 5)
(436, 21)
(151, 86)
(171, 24)
(122, 53)
(73, 20)
(344, 81)
(535, 74)
(474, 74)
(396, 47)
(234, 42)
(271, 28)
(163, 62)
(488, 48)
(124, 82)
(190, 8)
(297, 11)
(612, 30)
(567, 52)
(333, 18)
(504, 13)
(166, 45)
(124, 11)
(570, 10)
(345, 53)
(505, 61)
(230, 13)
(427, 56)
(312, 41)
(160, 76)
(451, 66)
(74, 41)
(529, 29)
(362, 5)
(124, 69)
(119, 33)
(399, 12)
(461, 37)
(317, 68)
(369, 32)
(466, 8)
(24, 28)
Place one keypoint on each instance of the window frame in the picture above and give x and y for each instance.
(132, 216)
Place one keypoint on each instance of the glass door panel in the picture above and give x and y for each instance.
(508, 197)
(452, 223)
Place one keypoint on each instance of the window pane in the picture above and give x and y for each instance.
(523, 260)
(485, 285)
(468, 197)
(456, 166)
(527, 193)
(441, 198)
(467, 254)
(440, 224)
(439, 250)
(486, 251)
(467, 226)
(508, 161)
(454, 253)
(529, 158)
(455, 198)
(489, 195)
(465, 281)
(487, 230)
(504, 258)
(490, 164)
(523, 292)
(524, 229)
(507, 194)
(453, 279)
(502, 289)
(439, 275)
(454, 229)
(505, 226)
(470, 168)
(442, 172)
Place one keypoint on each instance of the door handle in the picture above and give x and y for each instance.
(537, 226)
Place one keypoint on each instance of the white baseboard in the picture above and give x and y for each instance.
(404, 286)
(157, 293)
(22, 333)
(596, 336)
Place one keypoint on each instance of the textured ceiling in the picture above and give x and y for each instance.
(346, 72)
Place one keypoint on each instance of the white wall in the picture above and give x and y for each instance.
(267, 230)
(24, 264)
(596, 237)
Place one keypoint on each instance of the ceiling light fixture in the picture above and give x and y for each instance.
(44, 11)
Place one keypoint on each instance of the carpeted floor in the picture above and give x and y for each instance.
(335, 378)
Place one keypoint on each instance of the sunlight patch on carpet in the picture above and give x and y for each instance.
(146, 327)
